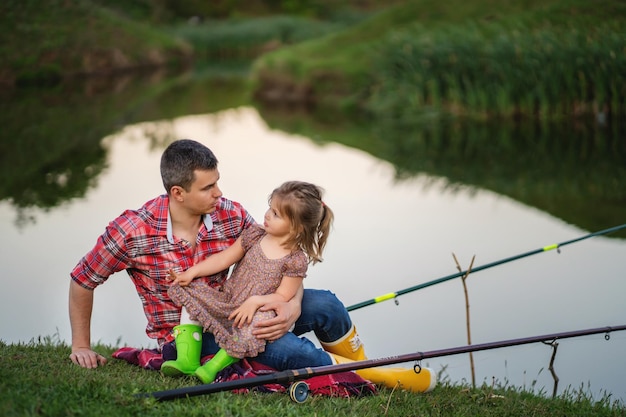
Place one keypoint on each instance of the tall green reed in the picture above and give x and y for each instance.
(494, 69)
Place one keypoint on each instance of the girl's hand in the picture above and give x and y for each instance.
(244, 313)
(183, 279)
(171, 275)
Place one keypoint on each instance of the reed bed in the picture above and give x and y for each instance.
(504, 69)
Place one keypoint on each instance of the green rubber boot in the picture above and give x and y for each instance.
(209, 370)
(188, 347)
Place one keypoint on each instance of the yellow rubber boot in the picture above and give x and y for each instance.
(348, 346)
(402, 378)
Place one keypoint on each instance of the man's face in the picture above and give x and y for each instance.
(204, 193)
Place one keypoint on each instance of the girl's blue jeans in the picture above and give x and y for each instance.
(322, 313)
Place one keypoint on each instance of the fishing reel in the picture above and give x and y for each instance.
(299, 391)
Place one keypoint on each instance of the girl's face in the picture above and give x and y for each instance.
(274, 222)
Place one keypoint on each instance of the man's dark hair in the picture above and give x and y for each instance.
(179, 161)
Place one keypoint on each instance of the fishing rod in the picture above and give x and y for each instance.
(393, 295)
(291, 376)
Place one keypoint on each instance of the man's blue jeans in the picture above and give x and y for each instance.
(322, 313)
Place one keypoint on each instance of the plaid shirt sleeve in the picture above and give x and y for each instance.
(109, 255)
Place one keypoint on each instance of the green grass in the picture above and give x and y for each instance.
(38, 379)
(232, 38)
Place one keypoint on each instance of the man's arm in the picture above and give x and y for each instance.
(286, 315)
(80, 308)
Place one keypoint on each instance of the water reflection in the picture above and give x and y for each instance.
(572, 169)
(50, 141)
(50, 149)
(390, 234)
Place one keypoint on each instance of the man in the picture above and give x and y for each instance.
(179, 229)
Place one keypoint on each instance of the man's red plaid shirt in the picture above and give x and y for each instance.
(141, 242)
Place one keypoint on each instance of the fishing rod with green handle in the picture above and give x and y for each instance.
(291, 376)
(393, 295)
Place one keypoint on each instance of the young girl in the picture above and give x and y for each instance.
(271, 264)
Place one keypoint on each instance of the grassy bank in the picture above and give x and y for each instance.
(484, 59)
(250, 37)
(481, 59)
(38, 379)
(44, 42)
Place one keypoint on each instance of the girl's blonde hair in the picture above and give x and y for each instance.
(310, 218)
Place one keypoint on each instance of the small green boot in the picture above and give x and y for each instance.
(188, 348)
(209, 370)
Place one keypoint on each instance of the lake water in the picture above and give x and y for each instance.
(388, 235)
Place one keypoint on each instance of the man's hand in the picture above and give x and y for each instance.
(87, 358)
(286, 315)
(80, 306)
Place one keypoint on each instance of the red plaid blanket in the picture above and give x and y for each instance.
(341, 384)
